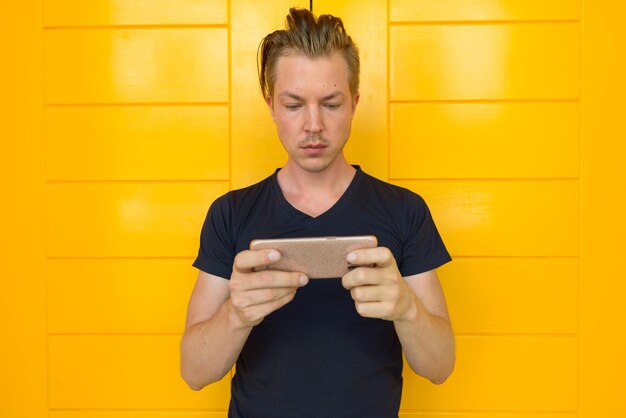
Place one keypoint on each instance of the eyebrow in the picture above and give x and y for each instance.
(294, 96)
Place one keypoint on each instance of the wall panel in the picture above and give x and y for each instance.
(502, 373)
(135, 116)
(603, 226)
(152, 414)
(477, 10)
(512, 295)
(366, 23)
(504, 218)
(23, 377)
(135, 65)
(124, 372)
(483, 120)
(256, 149)
(118, 295)
(484, 62)
(133, 12)
(127, 219)
(137, 142)
(487, 415)
(485, 140)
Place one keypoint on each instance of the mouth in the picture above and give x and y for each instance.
(314, 148)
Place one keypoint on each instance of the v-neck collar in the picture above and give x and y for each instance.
(301, 216)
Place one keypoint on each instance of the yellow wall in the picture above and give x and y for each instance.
(122, 121)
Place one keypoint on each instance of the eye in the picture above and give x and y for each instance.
(292, 106)
(332, 106)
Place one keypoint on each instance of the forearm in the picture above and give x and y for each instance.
(427, 342)
(209, 349)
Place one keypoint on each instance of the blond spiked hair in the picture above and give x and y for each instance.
(310, 36)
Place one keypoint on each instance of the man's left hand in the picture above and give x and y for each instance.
(377, 287)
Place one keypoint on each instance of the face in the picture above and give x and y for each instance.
(312, 109)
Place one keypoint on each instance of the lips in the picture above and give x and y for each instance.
(313, 149)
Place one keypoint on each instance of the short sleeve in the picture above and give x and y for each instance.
(424, 249)
(217, 250)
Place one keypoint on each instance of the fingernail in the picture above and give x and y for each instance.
(273, 255)
(303, 280)
(351, 257)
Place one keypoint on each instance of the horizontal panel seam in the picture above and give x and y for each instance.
(405, 410)
(484, 22)
(481, 411)
(488, 179)
(517, 257)
(465, 257)
(485, 101)
(514, 334)
(192, 257)
(179, 334)
(392, 179)
(133, 181)
(137, 104)
(138, 26)
(115, 334)
(137, 410)
(121, 258)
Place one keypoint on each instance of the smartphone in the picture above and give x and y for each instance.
(318, 258)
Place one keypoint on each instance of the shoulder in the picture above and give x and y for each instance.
(240, 198)
(393, 193)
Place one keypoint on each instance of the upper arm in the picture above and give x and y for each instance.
(427, 288)
(209, 293)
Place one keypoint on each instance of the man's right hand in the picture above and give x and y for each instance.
(256, 294)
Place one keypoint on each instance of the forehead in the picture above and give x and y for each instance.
(301, 74)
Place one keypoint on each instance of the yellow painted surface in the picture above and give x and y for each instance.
(135, 65)
(133, 12)
(524, 140)
(366, 23)
(124, 372)
(489, 415)
(256, 151)
(157, 414)
(504, 218)
(478, 10)
(502, 373)
(512, 295)
(137, 142)
(123, 120)
(603, 228)
(127, 219)
(23, 376)
(127, 295)
(474, 62)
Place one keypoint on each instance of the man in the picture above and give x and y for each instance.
(316, 348)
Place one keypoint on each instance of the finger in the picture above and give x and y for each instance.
(266, 279)
(243, 300)
(280, 302)
(380, 310)
(248, 260)
(368, 293)
(362, 276)
(255, 313)
(379, 256)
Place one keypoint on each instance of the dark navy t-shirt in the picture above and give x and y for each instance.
(316, 357)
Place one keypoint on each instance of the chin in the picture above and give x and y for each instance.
(314, 166)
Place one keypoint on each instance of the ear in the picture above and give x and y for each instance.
(355, 102)
(270, 105)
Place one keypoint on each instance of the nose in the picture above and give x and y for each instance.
(313, 122)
